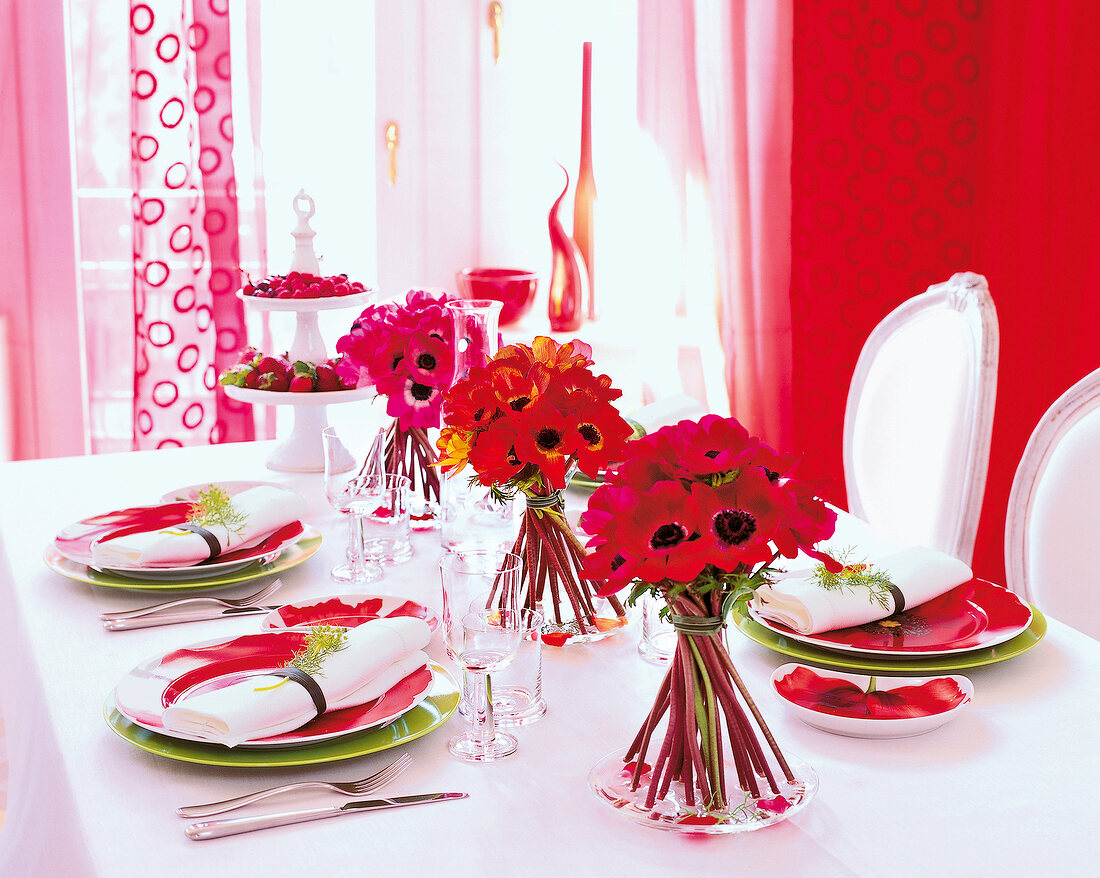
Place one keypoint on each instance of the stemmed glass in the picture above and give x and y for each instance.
(341, 489)
(490, 639)
(470, 620)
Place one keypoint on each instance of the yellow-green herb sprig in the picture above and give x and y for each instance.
(321, 642)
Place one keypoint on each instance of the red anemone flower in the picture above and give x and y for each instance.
(493, 454)
(712, 445)
(740, 516)
(601, 436)
(663, 533)
(544, 434)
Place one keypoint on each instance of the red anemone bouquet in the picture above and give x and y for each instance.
(406, 352)
(695, 515)
(523, 423)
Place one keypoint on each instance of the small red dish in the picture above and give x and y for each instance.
(514, 287)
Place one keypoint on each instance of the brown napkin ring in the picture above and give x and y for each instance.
(308, 683)
(899, 598)
(211, 540)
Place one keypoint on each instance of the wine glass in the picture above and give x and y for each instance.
(489, 642)
(342, 487)
(468, 580)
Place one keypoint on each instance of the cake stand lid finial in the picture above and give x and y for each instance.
(305, 257)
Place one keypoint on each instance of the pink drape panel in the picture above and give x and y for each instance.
(188, 323)
(45, 416)
(744, 84)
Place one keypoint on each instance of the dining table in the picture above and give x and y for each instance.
(1008, 787)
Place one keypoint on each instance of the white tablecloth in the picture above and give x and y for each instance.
(1006, 789)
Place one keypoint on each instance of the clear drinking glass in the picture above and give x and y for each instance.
(517, 689)
(383, 501)
(341, 488)
(489, 639)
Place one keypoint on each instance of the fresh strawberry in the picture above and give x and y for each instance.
(327, 379)
(301, 367)
(301, 384)
(252, 379)
(234, 377)
(279, 381)
(271, 364)
(248, 355)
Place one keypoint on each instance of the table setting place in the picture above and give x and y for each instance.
(472, 577)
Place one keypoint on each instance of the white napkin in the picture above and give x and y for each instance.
(265, 509)
(797, 601)
(378, 654)
(665, 412)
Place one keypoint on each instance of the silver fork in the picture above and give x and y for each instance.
(349, 788)
(229, 603)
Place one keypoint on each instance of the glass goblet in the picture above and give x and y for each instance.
(489, 642)
(341, 490)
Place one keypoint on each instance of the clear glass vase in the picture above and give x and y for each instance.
(470, 518)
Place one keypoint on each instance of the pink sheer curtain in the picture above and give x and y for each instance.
(744, 86)
(188, 323)
(715, 92)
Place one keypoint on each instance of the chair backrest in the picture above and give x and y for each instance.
(919, 417)
(1054, 511)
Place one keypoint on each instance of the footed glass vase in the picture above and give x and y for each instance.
(718, 768)
(471, 518)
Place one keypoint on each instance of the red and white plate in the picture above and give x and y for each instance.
(974, 615)
(897, 707)
(75, 541)
(347, 611)
(157, 683)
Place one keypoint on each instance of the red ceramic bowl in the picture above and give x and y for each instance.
(513, 287)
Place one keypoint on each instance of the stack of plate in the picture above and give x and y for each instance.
(421, 702)
(71, 551)
(976, 623)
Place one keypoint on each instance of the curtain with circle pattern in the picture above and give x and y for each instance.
(188, 322)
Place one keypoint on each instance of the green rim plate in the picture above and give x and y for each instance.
(977, 658)
(428, 715)
(292, 556)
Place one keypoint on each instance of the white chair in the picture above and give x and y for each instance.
(1054, 511)
(919, 417)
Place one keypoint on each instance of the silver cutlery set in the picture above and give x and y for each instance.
(193, 609)
(207, 829)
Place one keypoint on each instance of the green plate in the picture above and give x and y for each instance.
(839, 661)
(428, 715)
(292, 556)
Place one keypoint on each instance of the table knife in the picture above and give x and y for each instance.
(154, 619)
(236, 825)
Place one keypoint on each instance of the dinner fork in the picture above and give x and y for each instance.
(230, 603)
(349, 788)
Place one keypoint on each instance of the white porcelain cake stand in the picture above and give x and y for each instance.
(302, 451)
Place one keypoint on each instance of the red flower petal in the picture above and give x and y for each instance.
(778, 805)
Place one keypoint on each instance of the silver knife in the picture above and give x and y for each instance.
(236, 825)
(154, 619)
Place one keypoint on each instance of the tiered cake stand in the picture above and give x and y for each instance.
(302, 451)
